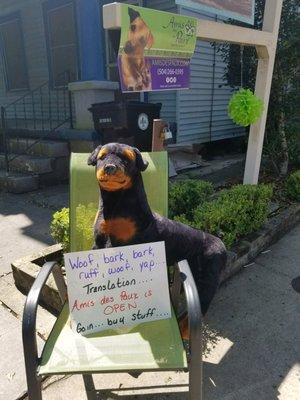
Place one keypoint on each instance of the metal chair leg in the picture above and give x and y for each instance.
(89, 386)
(195, 329)
(31, 365)
(34, 384)
(195, 373)
(29, 332)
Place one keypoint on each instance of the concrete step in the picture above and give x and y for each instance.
(27, 163)
(59, 173)
(29, 172)
(15, 182)
(46, 148)
(218, 171)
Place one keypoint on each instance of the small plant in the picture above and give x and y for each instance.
(185, 196)
(83, 235)
(245, 108)
(236, 212)
(85, 216)
(293, 186)
(59, 228)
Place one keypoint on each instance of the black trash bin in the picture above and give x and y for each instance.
(128, 122)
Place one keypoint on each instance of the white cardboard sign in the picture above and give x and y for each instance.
(117, 287)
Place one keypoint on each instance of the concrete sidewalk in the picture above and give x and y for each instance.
(253, 323)
(24, 229)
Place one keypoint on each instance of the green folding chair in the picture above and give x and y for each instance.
(148, 346)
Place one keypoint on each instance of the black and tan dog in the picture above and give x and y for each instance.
(125, 218)
(134, 66)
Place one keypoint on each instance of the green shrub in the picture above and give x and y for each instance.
(85, 216)
(59, 228)
(236, 212)
(183, 219)
(293, 186)
(185, 196)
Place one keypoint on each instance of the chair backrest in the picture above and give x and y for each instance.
(84, 194)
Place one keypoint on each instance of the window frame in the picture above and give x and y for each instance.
(49, 6)
(16, 16)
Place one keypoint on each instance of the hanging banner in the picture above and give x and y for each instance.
(117, 287)
(155, 49)
(241, 10)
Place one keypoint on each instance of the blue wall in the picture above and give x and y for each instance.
(91, 39)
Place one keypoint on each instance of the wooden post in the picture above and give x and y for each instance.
(265, 42)
(157, 135)
(266, 58)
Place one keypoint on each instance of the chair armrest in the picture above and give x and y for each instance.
(193, 304)
(175, 288)
(195, 330)
(30, 310)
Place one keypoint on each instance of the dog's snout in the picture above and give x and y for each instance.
(110, 169)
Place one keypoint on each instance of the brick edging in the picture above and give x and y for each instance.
(247, 250)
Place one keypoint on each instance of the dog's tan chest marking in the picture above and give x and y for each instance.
(122, 229)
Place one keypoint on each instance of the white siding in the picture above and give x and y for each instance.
(202, 110)
(167, 98)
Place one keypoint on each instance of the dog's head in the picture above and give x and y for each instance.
(139, 35)
(116, 165)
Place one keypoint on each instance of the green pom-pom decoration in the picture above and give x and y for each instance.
(245, 108)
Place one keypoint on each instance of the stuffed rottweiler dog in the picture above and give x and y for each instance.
(125, 218)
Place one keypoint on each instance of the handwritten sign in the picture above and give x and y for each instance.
(117, 287)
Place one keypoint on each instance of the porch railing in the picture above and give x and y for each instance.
(42, 110)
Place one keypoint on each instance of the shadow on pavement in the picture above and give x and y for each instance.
(25, 221)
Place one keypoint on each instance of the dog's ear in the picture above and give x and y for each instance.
(140, 162)
(92, 160)
(150, 41)
(133, 14)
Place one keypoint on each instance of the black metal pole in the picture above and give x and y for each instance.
(3, 123)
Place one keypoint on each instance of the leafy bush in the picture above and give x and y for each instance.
(293, 137)
(85, 216)
(59, 228)
(236, 212)
(281, 142)
(293, 186)
(185, 196)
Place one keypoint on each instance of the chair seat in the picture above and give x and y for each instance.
(148, 346)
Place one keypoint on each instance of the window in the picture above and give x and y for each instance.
(12, 49)
(112, 48)
(62, 44)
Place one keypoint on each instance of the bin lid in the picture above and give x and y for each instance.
(129, 103)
